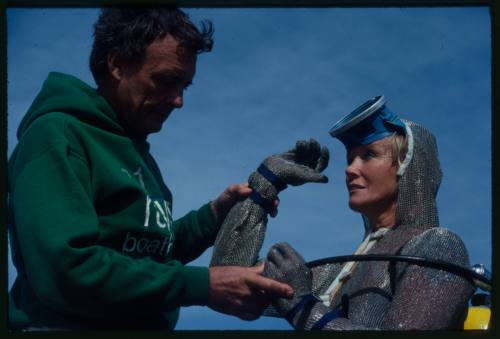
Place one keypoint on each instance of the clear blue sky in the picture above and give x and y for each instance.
(279, 75)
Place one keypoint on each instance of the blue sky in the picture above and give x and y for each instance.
(279, 75)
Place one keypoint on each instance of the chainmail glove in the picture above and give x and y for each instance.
(304, 311)
(241, 235)
(286, 265)
(304, 163)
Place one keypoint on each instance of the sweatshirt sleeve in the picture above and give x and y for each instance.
(57, 232)
(194, 233)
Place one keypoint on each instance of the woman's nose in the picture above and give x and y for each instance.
(352, 170)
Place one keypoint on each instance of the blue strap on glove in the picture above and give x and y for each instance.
(327, 317)
(303, 303)
(267, 205)
(272, 178)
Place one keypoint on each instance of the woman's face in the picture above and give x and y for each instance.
(371, 178)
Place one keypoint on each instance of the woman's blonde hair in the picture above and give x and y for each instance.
(398, 147)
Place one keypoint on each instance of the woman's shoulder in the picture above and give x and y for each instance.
(438, 243)
(439, 234)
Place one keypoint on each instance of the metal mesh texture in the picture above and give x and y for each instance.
(380, 295)
(241, 236)
(242, 233)
(283, 263)
(322, 276)
(419, 185)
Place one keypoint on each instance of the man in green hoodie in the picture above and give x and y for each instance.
(90, 216)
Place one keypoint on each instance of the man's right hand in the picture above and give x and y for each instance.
(243, 291)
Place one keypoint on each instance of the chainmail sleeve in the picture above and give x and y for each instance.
(242, 232)
(423, 298)
(428, 298)
(240, 238)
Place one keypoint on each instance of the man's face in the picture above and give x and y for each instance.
(149, 90)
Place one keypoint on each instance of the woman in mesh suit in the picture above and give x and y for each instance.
(392, 175)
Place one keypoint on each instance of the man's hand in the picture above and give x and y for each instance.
(231, 195)
(243, 291)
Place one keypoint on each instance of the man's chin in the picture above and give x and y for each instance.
(144, 130)
(155, 121)
(153, 127)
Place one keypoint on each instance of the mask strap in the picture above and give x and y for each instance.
(409, 153)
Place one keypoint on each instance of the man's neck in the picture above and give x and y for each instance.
(109, 96)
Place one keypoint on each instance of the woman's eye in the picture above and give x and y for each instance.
(368, 155)
(365, 155)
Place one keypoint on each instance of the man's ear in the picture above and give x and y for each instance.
(115, 64)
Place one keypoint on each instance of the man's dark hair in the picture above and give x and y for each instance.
(132, 30)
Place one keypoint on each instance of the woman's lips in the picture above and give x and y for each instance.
(354, 187)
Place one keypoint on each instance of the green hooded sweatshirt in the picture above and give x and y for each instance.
(90, 219)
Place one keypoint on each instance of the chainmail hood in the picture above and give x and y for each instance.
(419, 179)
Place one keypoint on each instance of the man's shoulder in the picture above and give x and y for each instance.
(52, 123)
(48, 132)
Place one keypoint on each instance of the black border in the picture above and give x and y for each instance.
(252, 3)
(494, 6)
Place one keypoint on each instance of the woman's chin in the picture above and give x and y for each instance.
(356, 206)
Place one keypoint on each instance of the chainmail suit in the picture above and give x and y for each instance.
(380, 295)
